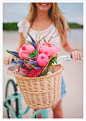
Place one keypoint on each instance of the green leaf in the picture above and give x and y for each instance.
(34, 54)
(53, 60)
(35, 41)
(8, 51)
(25, 75)
(28, 42)
(44, 40)
(9, 61)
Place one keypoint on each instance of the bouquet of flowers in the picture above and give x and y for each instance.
(40, 90)
(35, 59)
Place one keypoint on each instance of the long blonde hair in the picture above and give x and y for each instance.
(56, 16)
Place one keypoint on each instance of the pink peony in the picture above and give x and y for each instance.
(52, 51)
(42, 59)
(48, 49)
(42, 46)
(25, 50)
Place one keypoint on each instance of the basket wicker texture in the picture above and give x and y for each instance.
(41, 92)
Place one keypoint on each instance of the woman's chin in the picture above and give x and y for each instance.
(43, 10)
(43, 6)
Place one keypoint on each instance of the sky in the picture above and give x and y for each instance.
(14, 12)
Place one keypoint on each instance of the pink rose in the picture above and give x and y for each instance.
(25, 50)
(42, 59)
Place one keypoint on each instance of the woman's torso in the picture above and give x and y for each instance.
(38, 35)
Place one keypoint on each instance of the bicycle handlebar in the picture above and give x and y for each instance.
(63, 57)
(66, 58)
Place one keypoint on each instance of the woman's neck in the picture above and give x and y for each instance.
(42, 21)
(42, 15)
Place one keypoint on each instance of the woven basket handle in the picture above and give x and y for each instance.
(62, 68)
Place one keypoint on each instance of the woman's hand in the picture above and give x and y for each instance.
(8, 58)
(76, 54)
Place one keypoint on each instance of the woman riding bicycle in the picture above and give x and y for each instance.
(46, 19)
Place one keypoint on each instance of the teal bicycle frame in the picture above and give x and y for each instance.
(43, 112)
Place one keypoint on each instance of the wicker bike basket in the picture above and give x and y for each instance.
(41, 92)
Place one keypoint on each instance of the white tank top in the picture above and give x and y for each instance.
(23, 28)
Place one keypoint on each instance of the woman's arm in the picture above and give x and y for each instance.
(10, 57)
(67, 47)
(76, 54)
(22, 42)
